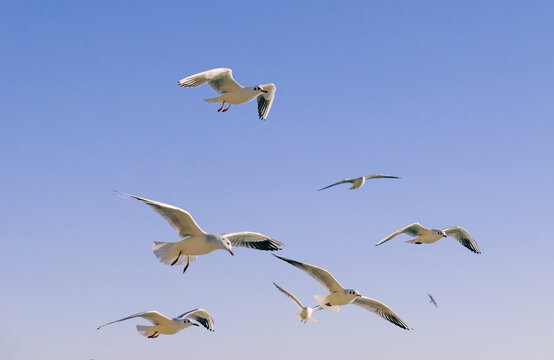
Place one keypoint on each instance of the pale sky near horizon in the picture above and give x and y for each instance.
(455, 97)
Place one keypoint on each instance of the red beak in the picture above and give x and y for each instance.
(230, 252)
(264, 91)
(358, 295)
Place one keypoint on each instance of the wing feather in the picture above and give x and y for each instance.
(201, 316)
(414, 229)
(322, 276)
(337, 183)
(290, 296)
(382, 310)
(153, 316)
(463, 238)
(179, 219)
(221, 80)
(265, 100)
(254, 241)
(380, 176)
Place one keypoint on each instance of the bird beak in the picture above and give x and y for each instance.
(195, 324)
(229, 250)
(358, 295)
(264, 91)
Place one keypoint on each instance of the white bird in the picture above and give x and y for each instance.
(340, 296)
(432, 300)
(195, 240)
(358, 182)
(429, 236)
(221, 80)
(306, 311)
(166, 326)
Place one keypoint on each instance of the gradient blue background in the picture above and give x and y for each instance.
(456, 97)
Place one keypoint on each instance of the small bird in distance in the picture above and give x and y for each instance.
(432, 300)
(306, 311)
(359, 182)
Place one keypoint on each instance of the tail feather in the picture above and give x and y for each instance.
(213, 100)
(298, 316)
(412, 241)
(143, 330)
(311, 320)
(167, 252)
(322, 301)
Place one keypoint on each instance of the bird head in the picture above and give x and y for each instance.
(441, 233)
(189, 323)
(226, 244)
(352, 292)
(260, 89)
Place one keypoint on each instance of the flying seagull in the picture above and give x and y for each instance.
(429, 236)
(358, 182)
(221, 80)
(340, 296)
(432, 300)
(166, 326)
(195, 240)
(306, 313)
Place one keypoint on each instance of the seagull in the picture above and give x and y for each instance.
(221, 80)
(166, 326)
(429, 236)
(358, 182)
(340, 296)
(306, 313)
(432, 301)
(195, 240)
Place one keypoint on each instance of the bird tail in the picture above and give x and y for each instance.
(322, 301)
(213, 100)
(311, 320)
(298, 316)
(412, 241)
(143, 330)
(169, 253)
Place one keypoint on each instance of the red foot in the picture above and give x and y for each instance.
(227, 108)
(153, 336)
(221, 108)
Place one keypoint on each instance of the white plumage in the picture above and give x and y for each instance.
(339, 296)
(221, 80)
(429, 236)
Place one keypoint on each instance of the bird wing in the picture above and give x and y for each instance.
(337, 183)
(380, 309)
(254, 241)
(321, 275)
(290, 296)
(265, 100)
(178, 218)
(153, 316)
(414, 229)
(463, 238)
(221, 80)
(432, 300)
(201, 316)
(317, 308)
(380, 176)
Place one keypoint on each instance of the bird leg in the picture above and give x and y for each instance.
(175, 262)
(227, 108)
(153, 336)
(221, 108)
(188, 263)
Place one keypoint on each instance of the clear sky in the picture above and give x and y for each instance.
(456, 97)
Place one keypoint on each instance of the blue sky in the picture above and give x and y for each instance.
(455, 97)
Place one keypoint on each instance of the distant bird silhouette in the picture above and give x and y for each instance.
(432, 301)
(358, 182)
